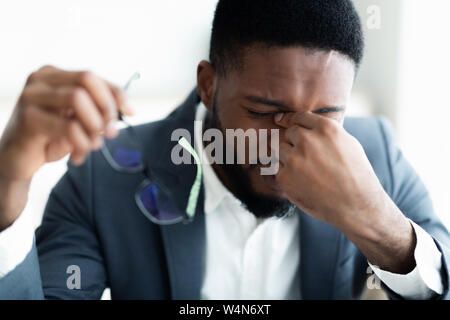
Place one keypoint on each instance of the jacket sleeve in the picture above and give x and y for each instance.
(24, 282)
(411, 196)
(65, 261)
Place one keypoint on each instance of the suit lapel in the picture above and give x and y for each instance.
(184, 243)
(319, 247)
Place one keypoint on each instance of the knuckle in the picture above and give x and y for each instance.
(76, 97)
(25, 96)
(328, 127)
(84, 148)
(289, 119)
(28, 115)
(31, 77)
(86, 78)
(291, 130)
(75, 134)
(307, 140)
(118, 91)
(291, 160)
(46, 67)
(284, 146)
(333, 129)
(97, 125)
(71, 128)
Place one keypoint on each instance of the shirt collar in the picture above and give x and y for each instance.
(215, 191)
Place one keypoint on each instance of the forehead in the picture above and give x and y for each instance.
(293, 74)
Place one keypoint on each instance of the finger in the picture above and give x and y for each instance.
(101, 94)
(86, 112)
(37, 75)
(67, 101)
(69, 132)
(42, 121)
(293, 134)
(53, 76)
(285, 151)
(284, 147)
(121, 99)
(96, 87)
(80, 142)
(306, 119)
(40, 94)
(49, 126)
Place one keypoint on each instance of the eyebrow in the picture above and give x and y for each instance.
(282, 105)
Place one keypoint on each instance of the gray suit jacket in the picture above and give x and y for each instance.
(92, 221)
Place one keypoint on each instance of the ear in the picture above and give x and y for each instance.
(206, 83)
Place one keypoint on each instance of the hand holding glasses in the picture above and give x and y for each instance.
(125, 154)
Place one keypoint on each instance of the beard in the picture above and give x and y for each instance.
(239, 178)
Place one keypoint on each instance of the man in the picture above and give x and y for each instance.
(343, 197)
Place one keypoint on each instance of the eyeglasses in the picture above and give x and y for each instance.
(125, 154)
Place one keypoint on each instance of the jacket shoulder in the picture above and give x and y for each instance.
(375, 134)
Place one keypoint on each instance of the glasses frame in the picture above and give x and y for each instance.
(189, 211)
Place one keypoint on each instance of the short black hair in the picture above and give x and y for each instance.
(314, 24)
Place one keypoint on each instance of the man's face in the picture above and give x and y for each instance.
(270, 81)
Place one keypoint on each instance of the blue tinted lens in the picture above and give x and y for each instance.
(124, 152)
(127, 158)
(158, 205)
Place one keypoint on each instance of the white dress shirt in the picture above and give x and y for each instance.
(250, 258)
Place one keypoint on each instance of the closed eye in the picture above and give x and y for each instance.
(329, 110)
(260, 114)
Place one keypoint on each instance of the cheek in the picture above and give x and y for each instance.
(240, 119)
(235, 118)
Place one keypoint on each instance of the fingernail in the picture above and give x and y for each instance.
(279, 116)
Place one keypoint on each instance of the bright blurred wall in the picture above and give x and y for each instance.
(423, 109)
(404, 77)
